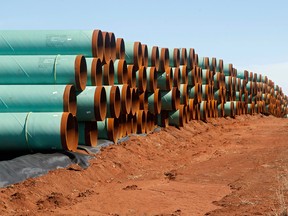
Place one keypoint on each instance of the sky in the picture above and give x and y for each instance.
(250, 34)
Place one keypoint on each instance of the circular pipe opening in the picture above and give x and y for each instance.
(196, 60)
(68, 132)
(152, 81)
(191, 58)
(176, 77)
(164, 59)
(131, 69)
(141, 121)
(91, 133)
(181, 115)
(126, 99)
(144, 55)
(122, 72)
(115, 102)
(137, 52)
(96, 72)
(135, 100)
(155, 57)
(157, 101)
(113, 129)
(112, 45)
(100, 106)
(184, 94)
(183, 56)
(183, 74)
(120, 48)
(97, 44)
(108, 73)
(169, 78)
(176, 57)
(143, 98)
(107, 48)
(80, 67)
(69, 100)
(175, 98)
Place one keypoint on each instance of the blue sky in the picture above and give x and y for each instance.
(250, 34)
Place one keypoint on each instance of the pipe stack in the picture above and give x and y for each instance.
(63, 88)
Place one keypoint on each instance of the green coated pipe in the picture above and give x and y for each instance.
(170, 99)
(206, 76)
(174, 57)
(229, 109)
(38, 98)
(108, 129)
(203, 62)
(94, 71)
(44, 70)
(151, 74)
(133, 53)
(113, 101)
(228, 69)
(205, 92)
(218, 96)
(242, 74)
(154, 102)
(38, 131)
(120, 71)
(88, 133)
(164, 79)
(176, 118)
(91, 104)
(51, 42)
(239, 95)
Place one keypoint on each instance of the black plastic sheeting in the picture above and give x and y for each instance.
(15, 168)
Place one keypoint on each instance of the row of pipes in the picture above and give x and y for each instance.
(62, 88)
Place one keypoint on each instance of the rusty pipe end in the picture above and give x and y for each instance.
(80, 67)
(107, 47)
(164, 59)
(126, 99)
(120, 48)
(108, 73)
(144, 55)
(135, 100)
(175, 98)
(122, 72)
(91, 133)
(113, 129)
(115, 102)
(69, 132)
(112, 45)
(142, 79)
(137, 52)
(157, 101)
(96, 72)
(69, 100)
(176, 77)
(97, 44)
(143, 99)
(152, 79)
(155, 57)
(131, 69)
(100, 100)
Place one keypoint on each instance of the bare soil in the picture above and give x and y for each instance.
(223, 167)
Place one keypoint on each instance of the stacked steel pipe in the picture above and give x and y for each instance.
(64, 88)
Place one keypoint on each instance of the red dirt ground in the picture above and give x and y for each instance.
(223, 167)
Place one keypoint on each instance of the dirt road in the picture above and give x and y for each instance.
(223, 167)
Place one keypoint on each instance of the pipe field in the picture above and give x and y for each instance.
(114, 88)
